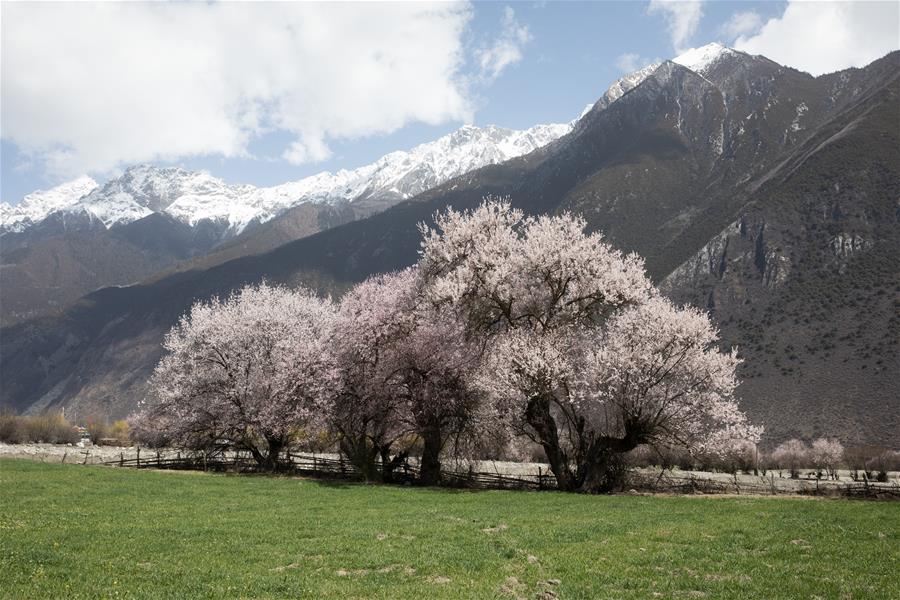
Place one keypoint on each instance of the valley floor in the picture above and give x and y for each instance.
(71, 531)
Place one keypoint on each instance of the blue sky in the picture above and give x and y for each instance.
(263, 108)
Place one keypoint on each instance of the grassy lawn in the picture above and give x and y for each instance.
(92, 532)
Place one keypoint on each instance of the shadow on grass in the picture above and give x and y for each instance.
(338, 482)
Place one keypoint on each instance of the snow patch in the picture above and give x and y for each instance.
(700, 60)
(801, 110)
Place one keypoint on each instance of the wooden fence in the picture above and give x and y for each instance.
(692, 484)
(328, 467)
(331, 468)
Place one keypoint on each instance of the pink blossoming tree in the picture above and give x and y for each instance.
(253, 368)
(827, 455)
(584, 356)
(437, 399)
(372, 317)
(791, 455)
(405, 370)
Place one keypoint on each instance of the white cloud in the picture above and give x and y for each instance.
(506, 49)
(628, 62)
(822, 37)
(631, 61)
(682, 17)
(741, 23)
(92, 86)
(307, 149)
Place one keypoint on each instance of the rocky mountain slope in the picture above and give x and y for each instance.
(754, 190)
(57, 245)
(806, 278)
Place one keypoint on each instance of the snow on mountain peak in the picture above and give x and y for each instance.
(144, 189)
(195, 196)
(37, 205)
(628, 82)
(403, 174)
(699, 60)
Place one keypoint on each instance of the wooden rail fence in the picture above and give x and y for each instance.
(328, 467)
(332, 468)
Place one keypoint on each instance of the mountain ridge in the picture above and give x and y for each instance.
(194, 196)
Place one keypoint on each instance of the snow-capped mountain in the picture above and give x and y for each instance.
(144, 189)
(37, 205)
(699, 60)
(193, 197)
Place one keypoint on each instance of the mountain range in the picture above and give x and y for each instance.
(59, 244)
(755, 191)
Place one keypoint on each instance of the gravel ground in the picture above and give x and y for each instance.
(70, 453)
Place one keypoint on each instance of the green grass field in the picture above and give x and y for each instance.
(93, 532)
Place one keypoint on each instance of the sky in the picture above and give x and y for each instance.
(264, 93)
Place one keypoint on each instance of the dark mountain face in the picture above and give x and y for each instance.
(53, 264)
(753, 190)
(806, 280)
(297, 223)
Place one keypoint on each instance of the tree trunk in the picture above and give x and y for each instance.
(275, 446)
(538, 416)
(361, 455)
(430, 469)
(604, 465)
(604, 474)
(388, 464)
(258, 456)
(266, 458)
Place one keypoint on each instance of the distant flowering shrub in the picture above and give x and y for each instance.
(791, 455)
(826, 455)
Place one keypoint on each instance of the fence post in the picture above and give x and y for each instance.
(540, 479)
(158, 463)
(315, 465)
(64, 457)
(139, 457)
